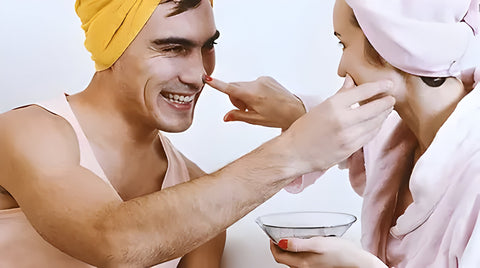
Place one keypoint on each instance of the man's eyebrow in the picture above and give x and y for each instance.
(182, 41)
(173, 40)
(337, 34)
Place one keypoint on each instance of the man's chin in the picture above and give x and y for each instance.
(175, 129)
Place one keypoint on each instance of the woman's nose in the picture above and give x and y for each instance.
(341, 70)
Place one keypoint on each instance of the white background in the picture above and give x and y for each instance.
(42, 55)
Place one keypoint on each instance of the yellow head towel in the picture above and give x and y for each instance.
(111, 25)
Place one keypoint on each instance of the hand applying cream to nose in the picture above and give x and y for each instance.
(257, 102)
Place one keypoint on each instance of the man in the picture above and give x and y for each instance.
(84, 178)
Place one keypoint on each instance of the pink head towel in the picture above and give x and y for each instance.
(420, 37)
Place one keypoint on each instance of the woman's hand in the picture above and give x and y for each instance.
(329, 133)
(261, 102)
(323, 252)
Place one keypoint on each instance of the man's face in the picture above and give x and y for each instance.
(160, 75)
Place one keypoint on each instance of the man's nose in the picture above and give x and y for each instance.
(193, 71)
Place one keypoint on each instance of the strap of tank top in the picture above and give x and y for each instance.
(61, 107)
(177, 171)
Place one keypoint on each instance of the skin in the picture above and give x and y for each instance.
(169, 56)
(129, 97)
(414, 104)
(254, 112)
(135, 224)
(323, 252)
(413, 97)
(353, 126)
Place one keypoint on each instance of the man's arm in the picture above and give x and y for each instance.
(208, 255)
(77, 212)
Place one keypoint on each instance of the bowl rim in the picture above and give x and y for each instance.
(353, 219)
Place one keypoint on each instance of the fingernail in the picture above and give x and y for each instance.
(283, 244)
(387, 84)
(226, 118)
(208, 78)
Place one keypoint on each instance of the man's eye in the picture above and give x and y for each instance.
(174, 50)
(341, 45)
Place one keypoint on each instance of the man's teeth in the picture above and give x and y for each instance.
(180, 98)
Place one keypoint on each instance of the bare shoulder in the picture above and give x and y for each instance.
(31, 124)
(30, 116)
(35, 137)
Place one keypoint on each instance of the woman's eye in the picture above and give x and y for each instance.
(341, 45)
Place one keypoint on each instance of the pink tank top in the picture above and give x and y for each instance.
(21, 246)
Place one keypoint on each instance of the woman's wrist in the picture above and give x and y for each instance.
(297, 110)
(303, 109)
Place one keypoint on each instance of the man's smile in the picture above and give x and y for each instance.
(178, 98)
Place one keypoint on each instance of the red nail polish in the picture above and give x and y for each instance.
(227, 118)
(208, 78)
(283, 244)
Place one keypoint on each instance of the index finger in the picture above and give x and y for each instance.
(217, 84)
(238, 90)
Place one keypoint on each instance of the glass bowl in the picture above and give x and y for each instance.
(305, 224)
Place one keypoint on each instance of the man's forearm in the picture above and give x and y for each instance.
(170, 223)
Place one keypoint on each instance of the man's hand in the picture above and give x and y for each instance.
(329, 133)
(336, 128)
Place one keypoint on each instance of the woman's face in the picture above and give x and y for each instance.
(354, 60)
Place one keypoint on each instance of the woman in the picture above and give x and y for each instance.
(420, 177)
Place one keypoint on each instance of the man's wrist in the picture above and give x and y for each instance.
(268, 168)
(291, 156)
